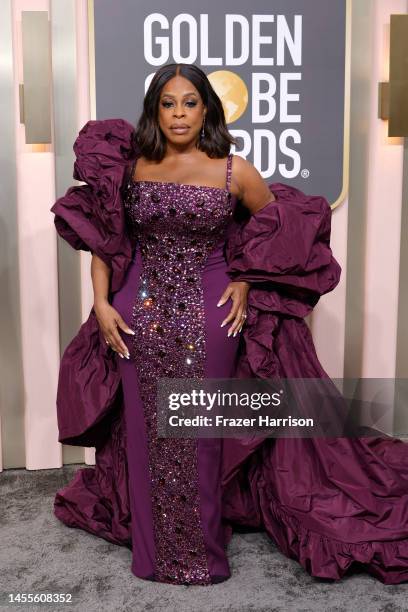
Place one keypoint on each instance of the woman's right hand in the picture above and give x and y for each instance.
(109, 320)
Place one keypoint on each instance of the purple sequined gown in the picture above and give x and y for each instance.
(169, 298)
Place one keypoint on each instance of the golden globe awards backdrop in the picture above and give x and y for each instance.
(280, 69)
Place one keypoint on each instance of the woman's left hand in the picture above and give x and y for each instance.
(237, 291)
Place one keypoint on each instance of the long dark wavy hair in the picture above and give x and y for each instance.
(148, 139)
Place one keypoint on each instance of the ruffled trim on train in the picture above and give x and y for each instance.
(324, 557)
(97, 498)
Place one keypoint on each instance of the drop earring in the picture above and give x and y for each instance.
(202, 129)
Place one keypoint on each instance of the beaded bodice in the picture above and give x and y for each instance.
(171, 217)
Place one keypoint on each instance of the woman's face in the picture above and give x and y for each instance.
(181, 105)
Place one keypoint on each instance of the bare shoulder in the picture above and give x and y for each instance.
(250, 187)
(242, 165)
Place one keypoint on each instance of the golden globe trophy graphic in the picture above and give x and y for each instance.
(232, 91)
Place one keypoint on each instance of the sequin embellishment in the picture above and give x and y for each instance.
(177, 226)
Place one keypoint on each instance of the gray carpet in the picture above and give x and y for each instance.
(39, 554)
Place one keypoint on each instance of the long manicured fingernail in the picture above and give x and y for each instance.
(130, 331)
(219, 303)
(222, 324)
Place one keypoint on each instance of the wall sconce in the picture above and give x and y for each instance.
(35, 94)
(393, 96)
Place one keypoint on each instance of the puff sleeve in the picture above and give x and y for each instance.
(284, 251)
(90, 217)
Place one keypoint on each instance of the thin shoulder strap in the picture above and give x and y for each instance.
(128, 173)
(229, 168)
(131, 170)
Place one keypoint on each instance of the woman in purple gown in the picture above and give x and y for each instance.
(169, 299)
(162, 213)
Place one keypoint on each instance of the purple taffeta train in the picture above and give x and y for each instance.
(172, 249)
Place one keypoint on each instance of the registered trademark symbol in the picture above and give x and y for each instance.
(305, 173)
